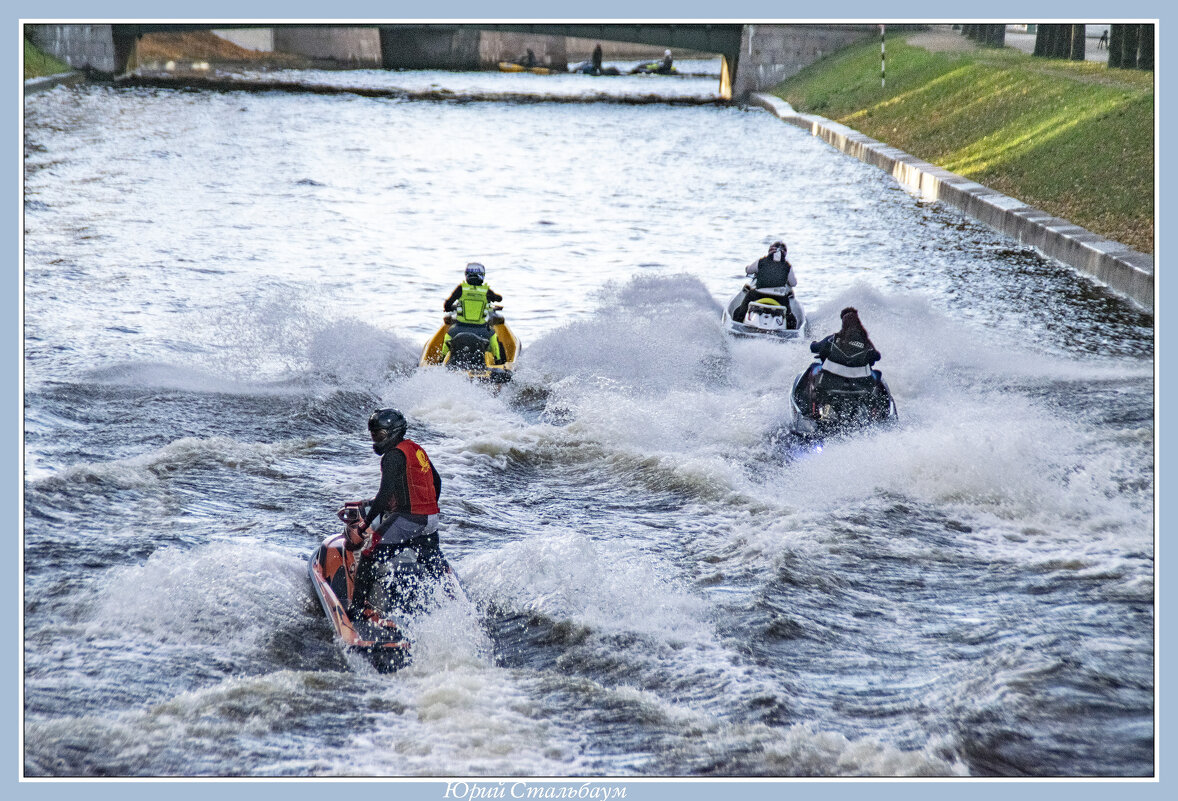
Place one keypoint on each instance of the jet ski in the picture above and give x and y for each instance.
(404, 591)
(818, 412)
(654, 68)
(775, 314)
(587, 68)
(468, 347)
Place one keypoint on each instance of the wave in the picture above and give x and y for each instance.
(176, 458)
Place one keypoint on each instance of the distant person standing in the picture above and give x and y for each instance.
(597, 60)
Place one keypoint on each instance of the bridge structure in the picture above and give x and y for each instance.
(722, 39)
(752, 56)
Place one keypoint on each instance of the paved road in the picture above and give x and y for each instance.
(1026, 43)
(942, 38)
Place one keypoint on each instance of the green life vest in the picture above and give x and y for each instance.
(474, 304)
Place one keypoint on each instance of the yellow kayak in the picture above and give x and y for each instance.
(511, 66)
(466, 355)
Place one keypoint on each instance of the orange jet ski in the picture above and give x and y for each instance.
(382, 639)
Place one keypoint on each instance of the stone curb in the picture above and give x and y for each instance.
(1122, 269)
(50, 81)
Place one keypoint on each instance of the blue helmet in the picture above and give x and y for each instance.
(475, 273)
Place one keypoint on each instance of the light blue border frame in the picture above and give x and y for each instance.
(687, 790)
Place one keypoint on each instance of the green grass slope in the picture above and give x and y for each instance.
(38, 64)
(1075, 139)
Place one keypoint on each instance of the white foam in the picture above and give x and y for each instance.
(567, 576)
(176, 457)
(225, 593)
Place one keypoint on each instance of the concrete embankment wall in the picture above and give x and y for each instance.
(496, 46)
(355, 46)
(771, 53)
(1122, 269)
(581, 49)
(49, 81)
(260, 39)
(80, 46)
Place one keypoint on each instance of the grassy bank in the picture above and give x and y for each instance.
(1072, 138)
(38, 64)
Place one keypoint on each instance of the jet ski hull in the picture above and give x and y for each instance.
(407, 589)
(774, 316)
(814, 418)
(333, 574)
(489, 371)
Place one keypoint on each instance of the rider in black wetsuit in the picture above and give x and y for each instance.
(847, 357)
(772, 271)
(403, 515)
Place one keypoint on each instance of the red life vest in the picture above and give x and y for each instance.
(419, 475)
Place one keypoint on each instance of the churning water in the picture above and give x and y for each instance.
(221, 286)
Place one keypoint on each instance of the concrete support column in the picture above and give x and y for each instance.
(771, 53)
(84, 47)
(404, 47)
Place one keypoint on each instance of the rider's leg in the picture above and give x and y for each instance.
(495, 348)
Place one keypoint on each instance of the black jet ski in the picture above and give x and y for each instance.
(776, 314)
(819, 411)
(407, 589)
(468, 347)
(587, 68)
(654, 68)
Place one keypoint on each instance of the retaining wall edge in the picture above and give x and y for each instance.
(1122, 269)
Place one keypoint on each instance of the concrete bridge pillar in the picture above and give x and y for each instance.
(771, 53)
(98, 48)
(433, 47)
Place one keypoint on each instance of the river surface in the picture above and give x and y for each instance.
(221, 286)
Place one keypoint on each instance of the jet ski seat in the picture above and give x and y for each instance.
(468, 343)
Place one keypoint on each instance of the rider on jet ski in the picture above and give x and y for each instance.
(404, 511)
(847, 357)
(771, 272)
(469, 301)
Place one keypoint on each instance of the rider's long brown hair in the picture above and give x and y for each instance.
(853, 327)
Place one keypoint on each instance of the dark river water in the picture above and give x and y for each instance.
(220, 286)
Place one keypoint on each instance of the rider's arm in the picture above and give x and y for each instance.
(821, 347)
(493, 296)
(394, 488)
(790, 278)
(752, 268)
(455, 295)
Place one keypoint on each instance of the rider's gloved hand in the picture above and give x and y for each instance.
(356, 536)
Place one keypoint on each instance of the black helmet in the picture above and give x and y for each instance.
(387, 427)
(475, 273)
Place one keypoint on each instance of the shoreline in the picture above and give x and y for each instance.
(1128, 272)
